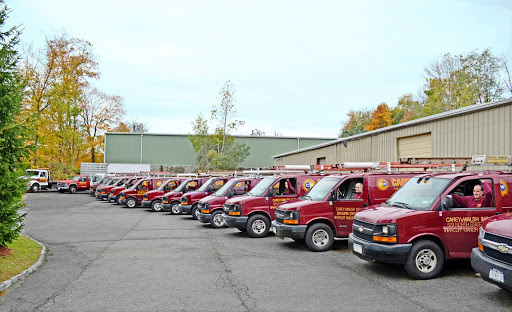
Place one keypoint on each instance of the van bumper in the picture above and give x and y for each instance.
(146, 203)
(483, 264)
(122, 201)
(235, 221)
(396, 253)
(112, 198)
(204, 217)
(291, 231)
(185, 208)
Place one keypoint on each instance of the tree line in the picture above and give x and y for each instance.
(452, 82)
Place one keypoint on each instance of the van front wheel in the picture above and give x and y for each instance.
(425, 260)
(258, 226)
(319, 237)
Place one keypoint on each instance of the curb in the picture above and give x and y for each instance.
(16, 278)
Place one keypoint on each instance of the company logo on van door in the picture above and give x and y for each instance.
(308, 184)
(503, 188)
(382, 184)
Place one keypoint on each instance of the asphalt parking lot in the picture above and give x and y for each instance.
(105, 257)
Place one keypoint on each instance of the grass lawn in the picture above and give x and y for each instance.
(25, 252)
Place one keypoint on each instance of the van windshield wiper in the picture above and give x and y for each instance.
(400, 205)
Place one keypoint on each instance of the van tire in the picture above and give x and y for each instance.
(174, 208)
(319, 237)
(131, 202)
(258, 226)
(156, 205)
(34, 188)
(425, 260)
(215, 220)
(72, 189)
(194, 211)
(117, 200)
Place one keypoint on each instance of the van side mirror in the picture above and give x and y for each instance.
(447, 202)
(333, 195)
(271, 192)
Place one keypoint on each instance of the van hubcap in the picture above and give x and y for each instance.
(158, 206)
(218, 220)
(258, 226)
(175, 209)
(426, 260)
(320, 237)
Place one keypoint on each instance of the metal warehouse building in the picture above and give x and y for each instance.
(176, 149)
(481, 129)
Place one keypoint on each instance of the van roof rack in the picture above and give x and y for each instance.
(485, 160)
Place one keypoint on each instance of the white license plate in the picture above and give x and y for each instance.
(496, 275)
(358, 248)
(274, 229)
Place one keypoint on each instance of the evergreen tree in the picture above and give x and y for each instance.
(12, 134)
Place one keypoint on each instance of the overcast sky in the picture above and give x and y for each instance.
(298, 66)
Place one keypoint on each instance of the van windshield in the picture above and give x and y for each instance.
(261, 187)
(182, 186)
(322, 188)
(224, 188)
(205, 185)
(418, 193)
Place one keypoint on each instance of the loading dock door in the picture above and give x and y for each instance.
(418, 146)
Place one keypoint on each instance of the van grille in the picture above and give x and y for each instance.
(367, 233)
(496, 254)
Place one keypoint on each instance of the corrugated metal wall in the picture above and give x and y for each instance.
(482, 132)
(176, 150)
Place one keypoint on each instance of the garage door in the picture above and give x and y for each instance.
(418, 146)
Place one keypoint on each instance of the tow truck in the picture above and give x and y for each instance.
(38, 179)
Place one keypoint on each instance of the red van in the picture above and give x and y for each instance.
(133, 196)
(153, 198)
(493, 256)
(115, 193)
(171, 200)
(188, 202)
(328, 209)
(428, 220)
(211, 207)
(254, 212)
(103, 190)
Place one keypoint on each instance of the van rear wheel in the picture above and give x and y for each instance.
(319, 237)
(425, 260)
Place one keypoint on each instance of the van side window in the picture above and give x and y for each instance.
(350, 189)
(286, 187)
(473, 193)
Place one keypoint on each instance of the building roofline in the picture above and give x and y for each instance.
(236, 136)
(444, 115)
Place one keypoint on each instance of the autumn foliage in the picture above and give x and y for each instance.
(67, 114)
(450, 83)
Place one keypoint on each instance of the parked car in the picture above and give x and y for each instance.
(153, 198)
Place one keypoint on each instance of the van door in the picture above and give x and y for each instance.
(283, 190)
(346, 202)
(462, 215)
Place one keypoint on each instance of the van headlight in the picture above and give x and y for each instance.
(386, 233)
